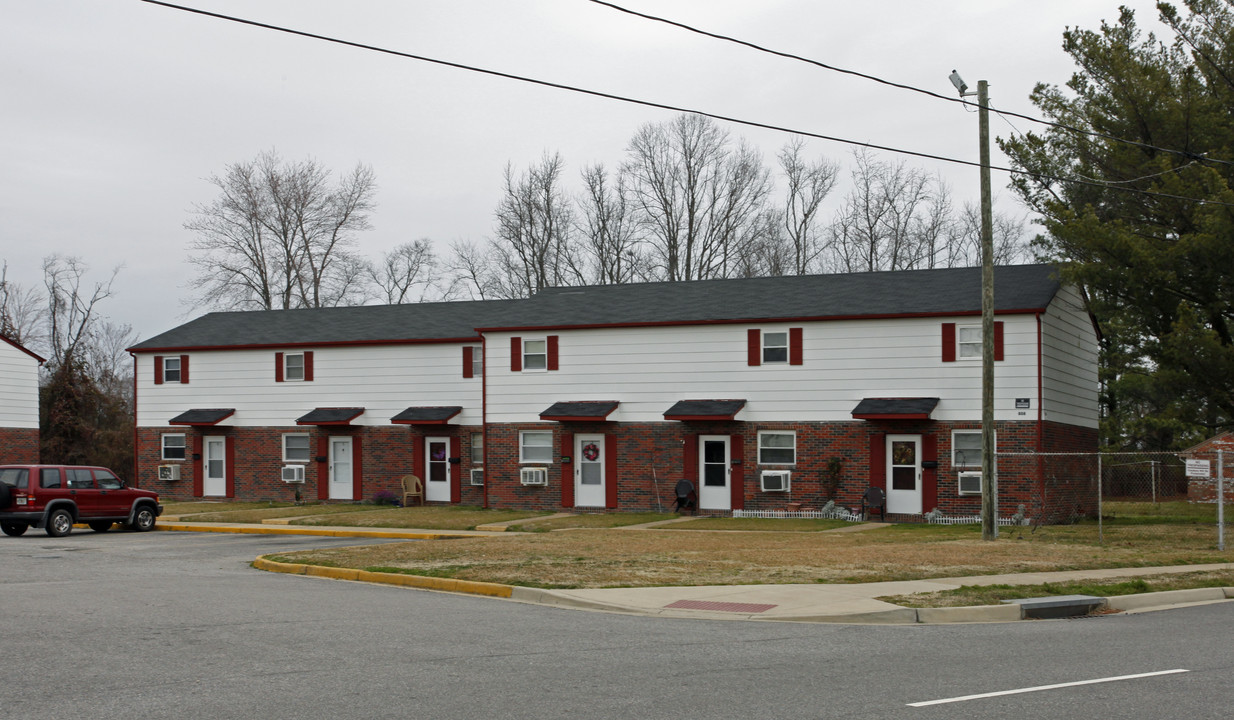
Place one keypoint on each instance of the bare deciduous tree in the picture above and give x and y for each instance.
(609, 228)
(699, 197)
(407, 273)
(534, 224)
(807, 184)
(71, 307)
(279, 235)
(22, 313)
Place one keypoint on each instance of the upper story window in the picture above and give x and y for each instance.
(774, 347)
(171, 369)
(296, 448)
(964, 342)
(174, 446)
(533, 353)
(293, 367)
(968, 342)
(777, 447)
(535, 446)
(473, 361)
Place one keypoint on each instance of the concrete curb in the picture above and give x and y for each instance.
(1168, 598)
(470, 587)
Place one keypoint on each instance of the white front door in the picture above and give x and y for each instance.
(713, 473)
(437, 467)
(904, 474)
(214, 467)
(342, 477)
(589, 471)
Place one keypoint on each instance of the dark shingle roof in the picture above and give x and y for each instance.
(952, 291)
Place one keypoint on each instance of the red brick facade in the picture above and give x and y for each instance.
(19, 445)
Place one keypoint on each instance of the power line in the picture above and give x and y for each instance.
(726, 38)
(663, 106)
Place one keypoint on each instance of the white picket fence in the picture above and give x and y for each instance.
(833, 514)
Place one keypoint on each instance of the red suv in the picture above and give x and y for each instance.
(54, 497)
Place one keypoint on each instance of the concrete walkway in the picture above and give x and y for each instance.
(840, 603)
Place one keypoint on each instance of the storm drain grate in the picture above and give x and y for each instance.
(720, 606)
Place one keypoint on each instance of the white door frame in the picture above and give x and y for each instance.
(342, 468)
(906, 500)
(437, 490)
(214, 485)
(715, 497)
(590, 493)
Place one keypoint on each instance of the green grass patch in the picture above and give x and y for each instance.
(759, 524)
(184, 509)
(969, 595)
(256, 515)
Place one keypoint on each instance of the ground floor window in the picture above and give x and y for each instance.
(173, 446)
(777, 447)
(296, 448)
(535, 446)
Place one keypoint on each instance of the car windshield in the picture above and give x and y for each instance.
(15, 477)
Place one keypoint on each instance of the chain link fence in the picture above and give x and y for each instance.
(1118, 491)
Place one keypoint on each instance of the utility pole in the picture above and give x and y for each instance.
(989, 483)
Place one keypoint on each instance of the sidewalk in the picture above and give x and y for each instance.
(850, 603)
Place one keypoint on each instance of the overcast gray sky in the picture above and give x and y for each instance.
(113, 112)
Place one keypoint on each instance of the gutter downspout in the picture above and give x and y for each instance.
(484, 413)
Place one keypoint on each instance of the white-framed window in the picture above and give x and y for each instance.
(171, 369)
(174, 445)
(966, 449)
(477, 362)
(968, 342)
(777, 447)
(296, 448)
(775, 347)
(535, 446)
(477, 448)
(293, 366)
(535, 354)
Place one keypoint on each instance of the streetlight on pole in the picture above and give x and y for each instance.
(989, 483)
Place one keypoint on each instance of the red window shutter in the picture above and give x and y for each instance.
(278, 367)
(456, 470)
(567, 470)
(794, 346)
(308, 369)
(419, 466)
(198, 485)
(929, 476)
(323, 467)
(229, 447)
(948, 342)
(467, 350)
(878, 460)
(754, 347)
(998, 340)
(610, 472)
(736, 480)
(158, 373)
(184, 369)
(689, 461)
(357, 467)
(516, 354)
(552, 352)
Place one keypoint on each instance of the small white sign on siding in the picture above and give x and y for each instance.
(1199, 469)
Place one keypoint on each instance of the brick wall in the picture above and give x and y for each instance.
(19, 445)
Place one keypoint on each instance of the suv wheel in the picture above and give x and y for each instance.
(100, 525)
(14, 529)
(143, 519)
(59, 522)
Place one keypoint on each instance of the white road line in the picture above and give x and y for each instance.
(1043, 687)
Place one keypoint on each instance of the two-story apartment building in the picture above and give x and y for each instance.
(19, 403)
(760, 391)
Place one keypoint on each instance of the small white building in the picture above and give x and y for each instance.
(19, 403)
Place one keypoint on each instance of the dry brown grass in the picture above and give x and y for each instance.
(454, 517)
(640, 558)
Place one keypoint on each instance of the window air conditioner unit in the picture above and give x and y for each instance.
(169, 472)
(533, 476)
(970, 483)
(477, 476)
(776, 480)
(293, 473)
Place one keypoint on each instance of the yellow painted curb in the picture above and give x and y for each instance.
(470, 587)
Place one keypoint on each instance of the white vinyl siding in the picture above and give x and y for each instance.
(647, 369)
(19, 388)
(1069, 362)
(382, 379)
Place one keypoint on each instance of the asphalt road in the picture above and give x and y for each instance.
(176, 625)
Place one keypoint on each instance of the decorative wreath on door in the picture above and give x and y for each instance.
(591, 451)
